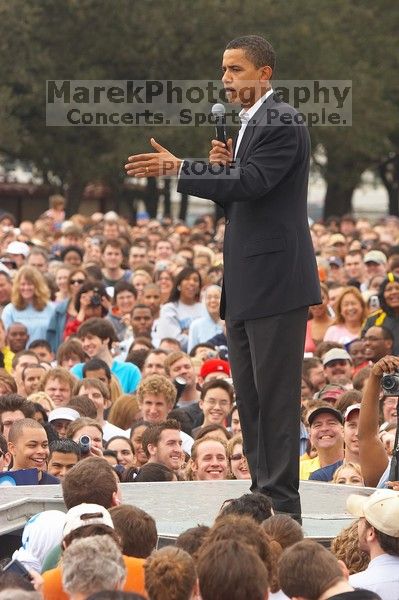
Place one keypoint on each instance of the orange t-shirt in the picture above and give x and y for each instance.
(53, 590)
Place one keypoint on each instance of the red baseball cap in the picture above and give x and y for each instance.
(214, 365)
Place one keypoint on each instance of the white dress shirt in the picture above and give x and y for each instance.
(246, 116)
(380, 577)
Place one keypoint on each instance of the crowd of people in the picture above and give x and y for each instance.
(114, 367)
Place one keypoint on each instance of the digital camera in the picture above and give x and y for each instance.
(85, 444)
(95, 300)
(390, 384)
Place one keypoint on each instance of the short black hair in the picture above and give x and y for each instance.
(40, 344)
(64, 446)
(257, 49)
(255, 505)
(95, 364)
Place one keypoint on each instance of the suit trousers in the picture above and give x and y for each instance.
(266, 357)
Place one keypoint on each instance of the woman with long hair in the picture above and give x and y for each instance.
(319, 321)
(182, 308)
(30, 303)
(350, 313)
(65, 310)
(388, 314)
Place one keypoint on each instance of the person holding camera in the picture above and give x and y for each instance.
(92, 300)
(377, 469)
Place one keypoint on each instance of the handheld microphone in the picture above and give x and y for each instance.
(219, 112)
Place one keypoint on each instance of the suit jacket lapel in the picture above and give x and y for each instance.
(254, 122)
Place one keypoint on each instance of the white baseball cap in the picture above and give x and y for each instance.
(86, 514)
(63, 412)
(18, 248)
(336, 354)
(381, 510)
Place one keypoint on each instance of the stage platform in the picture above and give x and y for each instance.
(176, 506)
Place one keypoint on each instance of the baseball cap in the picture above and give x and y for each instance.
(63, 412)
(335, 260)
(330, 391)
(375, 256)
(214, 365)
(336, 354)
(337, 238)
(18, 248)
(381, 510)
(350, 410)
(325, 409)
(86, 514)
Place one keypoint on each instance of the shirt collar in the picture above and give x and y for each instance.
(246, 115)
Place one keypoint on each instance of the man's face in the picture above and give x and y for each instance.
(183, 368)
(125, 301)
(97, 398)
(357, 352)
(112, 257)
(152, 298)
(336, 368)
(30, 449)
(17, 337)
(154, 364)
(24, 361)
(5, 290)
(39, 262)
(317, 377)
(154, 408)
(333, 296)
(326, 432)
(211, 462)
(43, 354)
(354, 266)
(137, 256)
(59, 392)
(216, 406)
(61, 426)
(168, 451)
(98, 374)
(363, 533)
(92, 344)
(374, 269)
(389, 411)
(142, 321)
(111, 231)
(375, 347)
(32, 379)
(60, 463)
(8, 417)
(241, 79)
(351, 427)
(163, 250)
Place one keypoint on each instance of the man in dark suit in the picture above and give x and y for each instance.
(269, 266)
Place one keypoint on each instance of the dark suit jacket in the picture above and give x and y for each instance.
(269, 263)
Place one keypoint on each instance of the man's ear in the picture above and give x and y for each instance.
(201, 404)
(151, 449)
(11, 448)
(344, 569)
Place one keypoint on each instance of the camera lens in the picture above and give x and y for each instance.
(389, 382)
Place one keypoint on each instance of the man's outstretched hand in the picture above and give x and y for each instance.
(154, 164)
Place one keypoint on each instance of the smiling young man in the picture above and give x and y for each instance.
(97, 336)
(327, 436)
(162, 444)
(64, 454)
(29, 448)
(209, 460)
(270, 275)
(217, 397)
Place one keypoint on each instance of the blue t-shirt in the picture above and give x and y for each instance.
(127, 373)
(325, 473)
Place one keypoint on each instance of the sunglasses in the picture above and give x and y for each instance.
(77, 281)
(237, 456)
